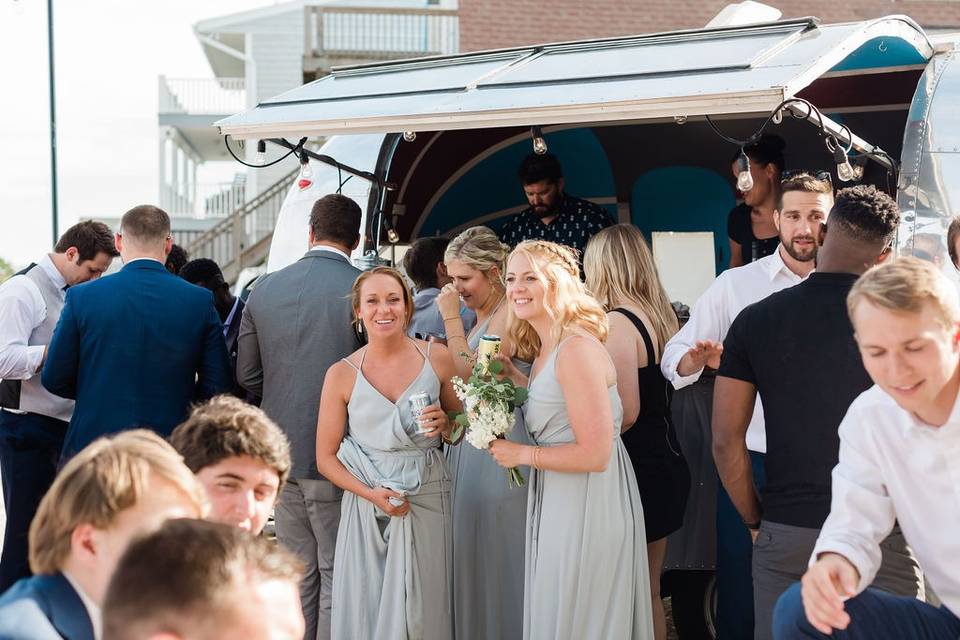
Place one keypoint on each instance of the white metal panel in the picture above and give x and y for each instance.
(446, 93)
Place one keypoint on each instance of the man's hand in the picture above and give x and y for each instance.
(826, 585)
(705, 353)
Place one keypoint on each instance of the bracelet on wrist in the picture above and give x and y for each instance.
(753, 526)
(451, 318)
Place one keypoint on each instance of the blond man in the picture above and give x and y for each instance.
(112, 491)
(899, 445)
(240, 456)
(204, 581)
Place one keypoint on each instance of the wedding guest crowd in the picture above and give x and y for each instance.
(391, 525)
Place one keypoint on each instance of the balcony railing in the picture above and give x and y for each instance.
(243, 239)
(202, 96)
(379, 33)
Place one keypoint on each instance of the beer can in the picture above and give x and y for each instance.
(488, 348)
(419, 402)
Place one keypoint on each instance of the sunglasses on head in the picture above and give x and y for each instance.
(798, 173)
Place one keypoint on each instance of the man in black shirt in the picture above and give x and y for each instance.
(552, 215)
(796, 349)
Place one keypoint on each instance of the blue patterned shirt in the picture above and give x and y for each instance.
(576, 222)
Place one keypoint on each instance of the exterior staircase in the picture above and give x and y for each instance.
(242, 239)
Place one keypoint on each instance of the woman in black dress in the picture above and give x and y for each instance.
(750, 226)
(621, 274)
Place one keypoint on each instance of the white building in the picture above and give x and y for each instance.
(255, 55)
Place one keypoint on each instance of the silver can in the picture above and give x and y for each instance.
(419, 402)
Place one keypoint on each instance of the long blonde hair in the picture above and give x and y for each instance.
(620, 269)
(565, 299)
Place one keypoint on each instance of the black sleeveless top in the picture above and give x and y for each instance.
(653, 431)
(740, 230)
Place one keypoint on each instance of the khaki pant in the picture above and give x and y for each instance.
(781, 555)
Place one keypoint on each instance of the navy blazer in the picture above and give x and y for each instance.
(135, 349)
(43, 608)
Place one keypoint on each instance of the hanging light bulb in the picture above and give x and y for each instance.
(305, 171)
(539, 144)
(744, 177)
(261, 151)
(844, 169)
(409, 136)
(393, 236)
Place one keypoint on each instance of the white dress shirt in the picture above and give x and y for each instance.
(22, 310)
(895, 467)
(326, 247)
(716, 310)
(93, 611)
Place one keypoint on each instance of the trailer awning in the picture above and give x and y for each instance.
(745, 69)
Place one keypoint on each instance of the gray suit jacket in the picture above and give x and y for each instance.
(296, 324)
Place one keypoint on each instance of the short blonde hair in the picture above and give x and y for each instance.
(387, 271)
(566, 299)
(479, 248)
(620, 269)
(904, 285)
(109, 476)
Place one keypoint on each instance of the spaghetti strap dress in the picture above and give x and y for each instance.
(586, 559)
(489, 516)
(662, 473)
(391, 576)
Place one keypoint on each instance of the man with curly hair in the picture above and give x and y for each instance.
(796, 349)
(239, 455)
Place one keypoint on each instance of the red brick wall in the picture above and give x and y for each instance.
(490, 24)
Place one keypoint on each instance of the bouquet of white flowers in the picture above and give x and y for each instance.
(488, 406)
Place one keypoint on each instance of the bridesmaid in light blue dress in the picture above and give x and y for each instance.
(489, 514)
(392, 563)
(586, 570)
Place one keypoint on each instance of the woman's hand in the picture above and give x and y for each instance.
(380, 496)
(448, 301)
(510, 454)
(510, 371)
(434, 422)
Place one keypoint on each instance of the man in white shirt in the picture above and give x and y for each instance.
(699, 344)
(113, 491)
(33, 421)
(899, 446)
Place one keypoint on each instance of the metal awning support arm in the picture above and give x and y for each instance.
(806, 111)
(366, 175)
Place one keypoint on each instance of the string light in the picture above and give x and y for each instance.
(744, 177)
(539, 144)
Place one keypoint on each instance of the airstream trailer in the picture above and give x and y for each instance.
(644, 126)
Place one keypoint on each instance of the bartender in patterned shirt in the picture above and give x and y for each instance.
(552, 215)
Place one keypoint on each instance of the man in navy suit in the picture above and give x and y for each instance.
(113, 491)
(136, 348)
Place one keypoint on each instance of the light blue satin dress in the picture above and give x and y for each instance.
(586, 556)
(391, 576)
(489, 518)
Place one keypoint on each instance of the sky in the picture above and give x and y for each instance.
(108, 54)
